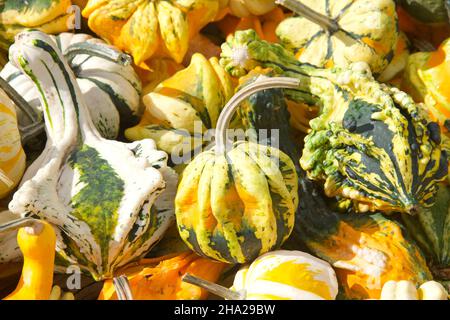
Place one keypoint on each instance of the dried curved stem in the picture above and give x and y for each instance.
(122, 287)
(261, 83)
(214, 288)
(19, 223)
(97, 50)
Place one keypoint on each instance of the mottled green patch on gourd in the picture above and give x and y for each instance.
(98, 201)
(21, 5)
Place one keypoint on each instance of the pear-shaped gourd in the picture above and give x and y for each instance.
(370, 144)
(105, 76)
(237, 200)
(108, 201)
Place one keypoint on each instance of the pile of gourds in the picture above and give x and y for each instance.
(297, 147)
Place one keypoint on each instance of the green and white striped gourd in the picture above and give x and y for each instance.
(109, 201)
(371, 144)
(105, 76)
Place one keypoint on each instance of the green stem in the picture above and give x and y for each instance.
(299, 8)
(262, 83)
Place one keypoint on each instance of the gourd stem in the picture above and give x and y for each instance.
(299, 8)
(214, 288)
(122, 287)
(17, 224)
(26, 132)
(261, 83)
(98, 50)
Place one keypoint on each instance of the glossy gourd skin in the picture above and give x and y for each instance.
(108, 201)
(287, 275)
(184, 106)
(160, 278)
(37, 244)
(151, 27)
(12, 156)
(367, 33)
(237, 206)
(50, 16)
(112, 88)
(370, 144)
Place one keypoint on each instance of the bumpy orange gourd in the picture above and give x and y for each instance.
(37, 244)
(160, 278)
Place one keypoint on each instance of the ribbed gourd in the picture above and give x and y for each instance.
(406, 290)
(12, 156)
(237, 200)
(180, 110)
(50, 16)
(108, 201)
(366, 251)
(104, 75)
(431, 229)
(340, 32)
(371, 144)
(287, 275)
(245, 8)
(151, 27)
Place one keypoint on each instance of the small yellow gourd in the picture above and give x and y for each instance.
(37, 243)
(406, 290)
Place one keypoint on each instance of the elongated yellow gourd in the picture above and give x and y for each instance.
(37, 244)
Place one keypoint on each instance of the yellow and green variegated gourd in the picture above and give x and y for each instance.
(237, 200)
(108, 201)
(180, 110)
(147, 28)
(371, 144)
(12, 156)
(50, 16)
(329, 33)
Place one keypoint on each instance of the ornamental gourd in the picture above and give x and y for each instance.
(160, 278)
(108, 201)
(51, 16)
(245, 8)
(406, 290)
(370, 144)
(151, 27)
(431, 229)
(237, 200)
(37, 243)
(426, 79)
(287, 275)
(104, 75)
(184, 106)
(12, 156)
(366, 251)
(341, 32)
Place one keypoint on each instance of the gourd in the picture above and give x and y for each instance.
(160, 278)
(426, 11)
(425, 79)
(287, 275)
(58, 294)
(371, 144)
(237, 200)
(12, 156)
(37, 242)
(183, 107)
(338, 33)
(431, 229)
(104, 75)
(406, 290)
(151, 27)
(366, 251)
(47, 16)
(245, 8)
(399, 61)
(108, 201)
(9, 249)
